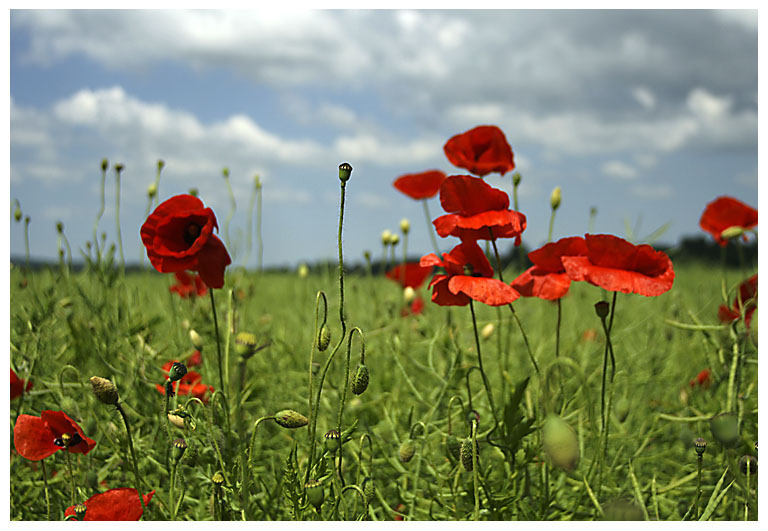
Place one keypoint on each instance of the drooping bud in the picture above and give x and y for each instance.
(289, 418)
(602, 308)
(17, 213)
(407, 450)
(732, 232)
(177, 372)
(197, 341)
(245, 345)
(700, 445)
(179, 445)
(325, 338)
(725, 428)
(560, 443)
(516, 178)
(555, 198)
(405, 225)
(104, 390)
(315, 493)
(360, 379)
(176, 420)
(487, 330)
(345, 171)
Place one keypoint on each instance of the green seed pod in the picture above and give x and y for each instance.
(315, 493)
(160, 164)
(725, 428)
(325, 338)
(369, 490)
(360, 379)
(345, 171)
(700, 445)
(193, 192)
(245, 345)
(622, 409)
(119, 167)
(177, 372)
(331, 442)
(407, 449)
(560, 443)
(748, 463)
(179, 445)
(465, 454)
(602, 308)
(104, 390)
(218, 479)
(516, 178)
(289, 418)
(17, 214)
(452, 446)
(104, 164)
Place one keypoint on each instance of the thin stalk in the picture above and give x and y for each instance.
(698, 487)
(172, 506)
(231, 211)
(45, 487)
(133, 454)
(26, 241)
(346, 386)
(71, 479)
(475, 480)
(551, 226)
(167, 409)
(480, 362)
(218, 340)
(260, 243)
(118, 169)
(99, 214)
(430, 228)
(320, 294)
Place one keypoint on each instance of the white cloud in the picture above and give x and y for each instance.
(644, 97)
(706, 106)
(619, 170)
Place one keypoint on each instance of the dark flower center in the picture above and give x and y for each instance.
(191, 233)
(66, 440)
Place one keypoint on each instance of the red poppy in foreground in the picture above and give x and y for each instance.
(17, 385)
(188, 285)
(120, 504)
(190, 384)
(547, 278)
(703, 379)
(725, 212)
(179, 236)
(36, 438)
(411, 274)
(614, 264)
(745, 301)
(469, 275)
(478, 211)
(481, 151)
(420, 185)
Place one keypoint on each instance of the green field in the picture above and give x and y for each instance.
(66, 327)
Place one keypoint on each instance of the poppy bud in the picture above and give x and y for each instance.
(80, 510)
(407, 449)
(193, 192)
(700, 445)
(256, 182)
(218, 479)
(601, 309)
(104, 390)
(369, 490)
(303, 271)
(315, 493)
(177, 372)
(325, 338)
(289, 418)
(104, 164)
(555, 198)
(119, 167)
(622, 409)
(225, 172)
(245, 345)
(516, 178)
(345, 171)
(152, 190)
(409, 294)
(360, 379)
(385, 235)
(394, 239)
(725, 428)
(17, 214)
(465, 454)
(176, 420)
(405, 225)
(197, 341)
(560, 443)
(453, 447)
(748, 464)
(59, 227)
(179, 445)
(487, 330)
(732, 232)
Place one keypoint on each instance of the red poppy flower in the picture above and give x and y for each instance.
(17, 385)
(195, 359)
(179, 235)
(746, 299)
(411, 274)
(469, 276)
(121, 504)
(420, 185)
(481, 150)
(726, 212)
(615, 264)
(190, 384)
(478, 211)
(703, 379)
(547, 278)
(188, 285)
(416, 307)
(36, 438)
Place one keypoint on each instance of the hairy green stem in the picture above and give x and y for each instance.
(480, 363)
(117, 217)
(45, 487)
(218, 341)
(71, 479)
(133, 454)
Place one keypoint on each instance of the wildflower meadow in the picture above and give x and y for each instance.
(594, 377)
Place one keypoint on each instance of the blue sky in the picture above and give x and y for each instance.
(646, 115)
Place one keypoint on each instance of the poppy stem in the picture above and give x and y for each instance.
(47, 496)
(71, 479)
(118, 169)
(480, 362)
(99, 214)
(430, 228)
(475, 480)
(259, 242)
(26, 242)
(133, 455)
(218, 341)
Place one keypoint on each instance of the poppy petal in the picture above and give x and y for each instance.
(411, 274)
(549, 256)
(537, 282)
(33, 438)
(467, 196)
(442, 295)
(726, 212)
(420, 185)
(481, 150)
(121, 504)
(490, 291)
(211, 262)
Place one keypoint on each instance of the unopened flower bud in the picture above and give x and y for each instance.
(385, 236)
(104, 164)
(360, 379)
(315, 493)
(17, 214)
(176, 420)
(369, 490)
(602, 308)
(560, 443)
(394, 239)
(59, 227)
(179, 445)
(700, 445)
(197, 341)
(407, 450)
(453, 447)
(119, 167)
(465, 454)
(289, 418)
(256, 182)
(345, 171)
(325, 338)
(409, 294)
(245, 345)
(218, 479)
(177, 372)
(160, 164)
(152, 190)
(405, 225)
(516, 178)
(225, 172)
(725, 428)
(104, 390)
(487, 330)
(622, 409)
(732, 232)
(193, 192)
(555, 198)
(303, 271)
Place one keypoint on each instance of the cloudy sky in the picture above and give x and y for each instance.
(646, 115)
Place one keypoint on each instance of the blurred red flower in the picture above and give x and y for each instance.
(17, 385)
(400, 509)
(121, 504)
(477, 211)
(745, 301)
(36, 438)
(547, 278)
(469, 276)
(726, 212)
(703, 379)
(179, 235)
(416, 307)
(410, 274)
(194, 360)
(188, 285)
(481, 151)
(190, 384)
(614, 264)
(420, 185)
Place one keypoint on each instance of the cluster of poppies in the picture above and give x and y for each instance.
(191, 383)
